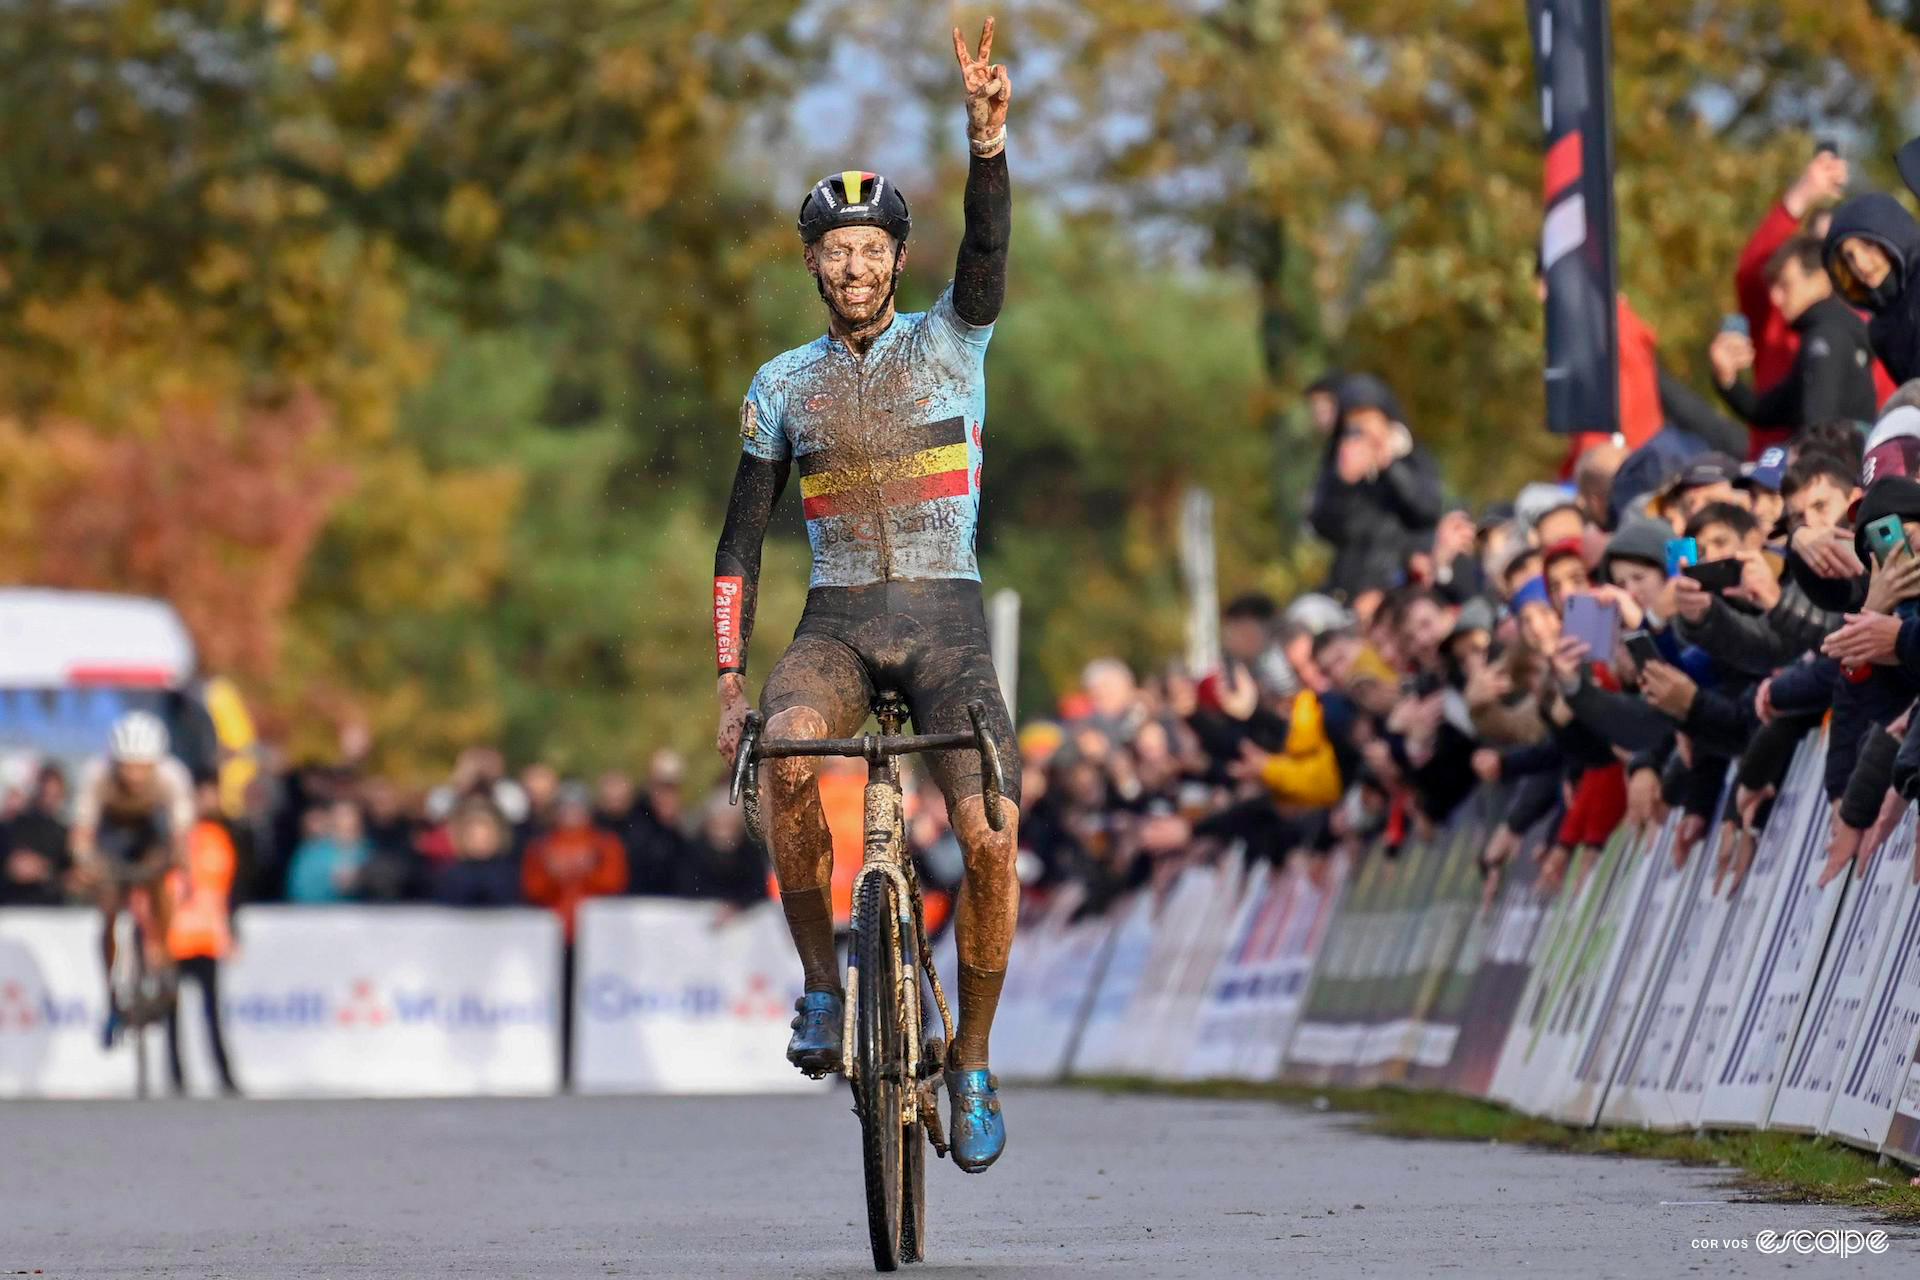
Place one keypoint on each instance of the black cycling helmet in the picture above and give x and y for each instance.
(852, 198)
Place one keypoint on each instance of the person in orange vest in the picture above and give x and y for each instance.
(198, 934)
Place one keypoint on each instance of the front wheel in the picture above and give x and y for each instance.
(880, 1064)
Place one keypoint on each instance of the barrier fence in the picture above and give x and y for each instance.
(1640, 994)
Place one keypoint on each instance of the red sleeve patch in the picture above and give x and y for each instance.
(728, 605)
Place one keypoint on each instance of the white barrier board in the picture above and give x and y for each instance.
(1787, 951)
(683, 997)
(1877, 1077)
(393, 1001)
(53, 1002)
(1874, 909)
(1799, 813)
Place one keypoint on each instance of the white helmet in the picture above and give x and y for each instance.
(137, 737)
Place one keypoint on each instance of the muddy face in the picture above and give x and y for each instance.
(855, 267)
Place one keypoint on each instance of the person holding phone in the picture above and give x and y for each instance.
(1831, 375)
(1889, 538)
(1803, 209)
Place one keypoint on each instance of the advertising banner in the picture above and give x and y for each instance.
(1553, 948)
(1789, 940)
(393, 1001)
(1635, 934)
(1227, 1010)
(1515, 927)
(1873, 910)
(1552, 1017)
(53, 1003)
(1102, 1047)
(1206, 943)
(672, 996)
(1879, 1097)
(1800, 809)
(1330, 1029)
(1643, 946)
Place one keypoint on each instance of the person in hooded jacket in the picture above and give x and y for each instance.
(1377, 491)
(1872, 251)
(1832, 371)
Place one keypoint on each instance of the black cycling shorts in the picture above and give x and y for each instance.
(131, 840)
(927, 642)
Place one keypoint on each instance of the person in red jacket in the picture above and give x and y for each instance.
(1775, 341)
(573, 861)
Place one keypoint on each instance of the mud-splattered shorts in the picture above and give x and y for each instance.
(927, 642)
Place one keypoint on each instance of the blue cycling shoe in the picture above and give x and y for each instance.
(817, 1026)
(110, 1030)
(978, 1133)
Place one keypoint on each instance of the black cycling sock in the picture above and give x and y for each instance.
(979, 997)
(810, 919)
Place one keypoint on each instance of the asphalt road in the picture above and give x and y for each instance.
(710, 1187)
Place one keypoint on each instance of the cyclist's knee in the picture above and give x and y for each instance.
(988, 852)
(791, 774)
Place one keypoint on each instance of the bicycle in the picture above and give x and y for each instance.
(141, 994)
(894, 1075)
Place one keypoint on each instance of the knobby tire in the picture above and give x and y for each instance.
(881, 1063)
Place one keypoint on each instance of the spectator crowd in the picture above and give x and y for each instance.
(1694, 595)
(1696, 592)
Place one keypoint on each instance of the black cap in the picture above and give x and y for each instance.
(1894, 496)
(1364, 391)
(1712, 468)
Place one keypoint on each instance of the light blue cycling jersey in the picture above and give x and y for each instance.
(887, 446)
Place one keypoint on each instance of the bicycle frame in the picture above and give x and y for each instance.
(883, 844)
(887, 1044)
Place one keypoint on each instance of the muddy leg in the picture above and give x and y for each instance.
(983, 924)
(803, 848)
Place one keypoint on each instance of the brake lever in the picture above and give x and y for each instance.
(743, 757)
(992, 781)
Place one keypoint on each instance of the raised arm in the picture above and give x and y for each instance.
(757, 485)
(980, 274)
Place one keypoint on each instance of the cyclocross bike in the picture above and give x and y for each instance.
(144, 996)
(893, 1068)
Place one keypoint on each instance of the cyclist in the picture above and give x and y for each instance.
(132, 811)
(882, 415)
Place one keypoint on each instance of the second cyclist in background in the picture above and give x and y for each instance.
(132, 810)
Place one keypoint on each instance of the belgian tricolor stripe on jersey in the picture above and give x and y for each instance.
(931, 464)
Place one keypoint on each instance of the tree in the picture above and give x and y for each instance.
(1395, 146)
(234, 208)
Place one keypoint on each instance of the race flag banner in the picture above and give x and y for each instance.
(1572, 59)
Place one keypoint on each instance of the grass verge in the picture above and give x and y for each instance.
(1778, 1166)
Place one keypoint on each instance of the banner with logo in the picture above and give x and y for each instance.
(53, 1003)
(393, 1001)
(1789, 938)
(1874, 909)
(1879, 1097)
(672, 996)
(1101, 1047)
(1445, 929)
(1644, 944)
(1538, 1041)
(1512, 932)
